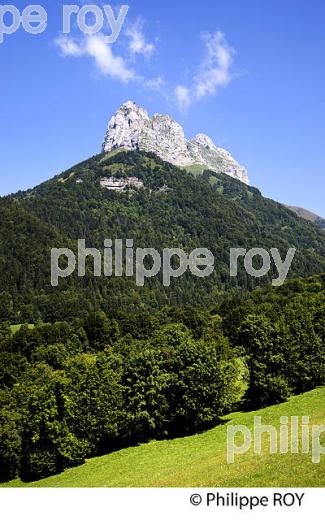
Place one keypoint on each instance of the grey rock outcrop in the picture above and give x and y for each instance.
(133, 129)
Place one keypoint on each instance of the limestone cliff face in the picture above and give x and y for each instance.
(132, 128)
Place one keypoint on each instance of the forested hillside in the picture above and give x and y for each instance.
(107, 364)
(72, 390)
(173, 209)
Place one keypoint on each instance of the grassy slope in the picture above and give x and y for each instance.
(200, 460)
(16, 328)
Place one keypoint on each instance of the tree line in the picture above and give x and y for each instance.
(75, 389)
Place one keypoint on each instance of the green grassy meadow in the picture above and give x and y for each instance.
(200, 460)
(16, 328)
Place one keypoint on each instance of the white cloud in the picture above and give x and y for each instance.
(68, 46)
(107, 63)
(138, 43)
(215, 70)
(183, 98)
(95, 46)
(213, 73)
(155, 84)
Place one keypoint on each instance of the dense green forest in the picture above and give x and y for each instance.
(174, 209)
(106, 364)
(74, 389)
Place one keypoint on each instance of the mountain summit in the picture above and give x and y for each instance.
(132, 128)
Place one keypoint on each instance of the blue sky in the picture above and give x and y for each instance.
(250, 74)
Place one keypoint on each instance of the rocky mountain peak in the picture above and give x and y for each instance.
(132, 128)
(205, 141)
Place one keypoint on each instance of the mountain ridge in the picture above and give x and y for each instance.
(131, 128)
(165, 207)
(307, 215)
